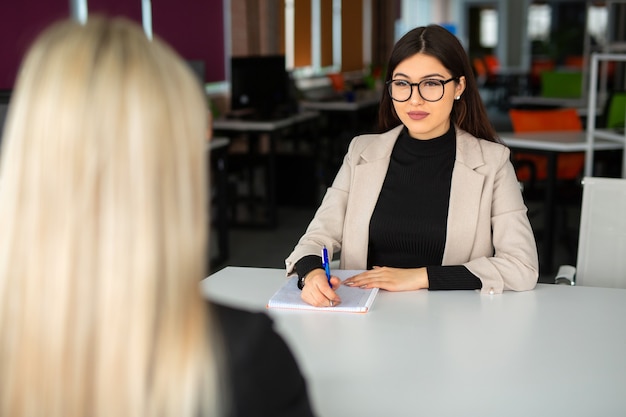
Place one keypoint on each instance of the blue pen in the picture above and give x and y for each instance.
(326, 264)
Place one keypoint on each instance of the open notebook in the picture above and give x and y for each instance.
(353, 300)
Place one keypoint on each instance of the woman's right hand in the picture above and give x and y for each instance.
(316, 290)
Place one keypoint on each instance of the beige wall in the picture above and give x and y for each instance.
(351, 35)
(257, 27)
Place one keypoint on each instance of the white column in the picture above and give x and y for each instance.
(337, 50)
(289, 33)
(513, 48)
(367, 31)
(78, 10)
(316, 35)
(146, 17)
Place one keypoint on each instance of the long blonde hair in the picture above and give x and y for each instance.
(103, 230)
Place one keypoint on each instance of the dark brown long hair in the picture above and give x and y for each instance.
(469, 112)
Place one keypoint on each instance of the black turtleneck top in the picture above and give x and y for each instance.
(408, 225)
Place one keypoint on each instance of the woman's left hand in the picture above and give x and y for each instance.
(390, 279)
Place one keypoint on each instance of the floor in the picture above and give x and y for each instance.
(268, 248)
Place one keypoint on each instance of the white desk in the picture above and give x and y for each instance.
(513, 80)
(262, 126)
(217, 148)
(578, 103)
(344, 120)
(554, 351)
(555, 141)
(348, 113)
(551, 144)
(341, 105)
(252, 129)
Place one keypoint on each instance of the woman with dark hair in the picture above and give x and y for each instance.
(433, 202)
(468, 114)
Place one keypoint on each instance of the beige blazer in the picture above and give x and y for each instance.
(488, 228)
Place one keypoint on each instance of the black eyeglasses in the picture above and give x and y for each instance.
(429, 89)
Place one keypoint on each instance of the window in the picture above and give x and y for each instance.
(488, 28)
(597, 22)
(539, 18)
(317, 32)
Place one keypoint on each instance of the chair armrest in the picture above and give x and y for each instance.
(566, 275)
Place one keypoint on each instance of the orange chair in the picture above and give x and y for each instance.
(493, 65)
(569, 165)
(537, 66)
(337, 81)
(480, 71)
(485, 70)
(575, 61)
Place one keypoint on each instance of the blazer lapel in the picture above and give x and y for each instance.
(465, 198)
(369, 175)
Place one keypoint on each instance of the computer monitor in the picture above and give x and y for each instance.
(260, 86)
(5, 96)
(198, 68)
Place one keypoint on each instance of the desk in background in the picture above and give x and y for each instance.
(341, 105)
(551, 144)
(264, 205)
(578, 103)
(343, 121)
(511, 81)
(554, 351)
(218, 149)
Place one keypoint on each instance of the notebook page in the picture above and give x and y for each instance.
(354, 300)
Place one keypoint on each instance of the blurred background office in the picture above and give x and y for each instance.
(270, 60)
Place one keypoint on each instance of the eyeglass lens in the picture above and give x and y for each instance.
(430, 90)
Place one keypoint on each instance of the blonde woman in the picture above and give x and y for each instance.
(102, 244)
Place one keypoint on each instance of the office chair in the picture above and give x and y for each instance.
(561, 84)
(615, 110)
(569, 166)
(609, 163)
(338, 81)
(575, 62)
(485, 71)
(601, 260)
(537, 66)
(493, 64)
(532, 169)
(480, 71)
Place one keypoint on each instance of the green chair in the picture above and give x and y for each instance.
(562, 84)
(609, 163)
(616, 110)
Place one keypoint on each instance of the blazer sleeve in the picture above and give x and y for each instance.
(265, 379)
(512, 261)
(326, 227)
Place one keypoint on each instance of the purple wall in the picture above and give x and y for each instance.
(20, 22)
(195, 29)
(128, 8)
